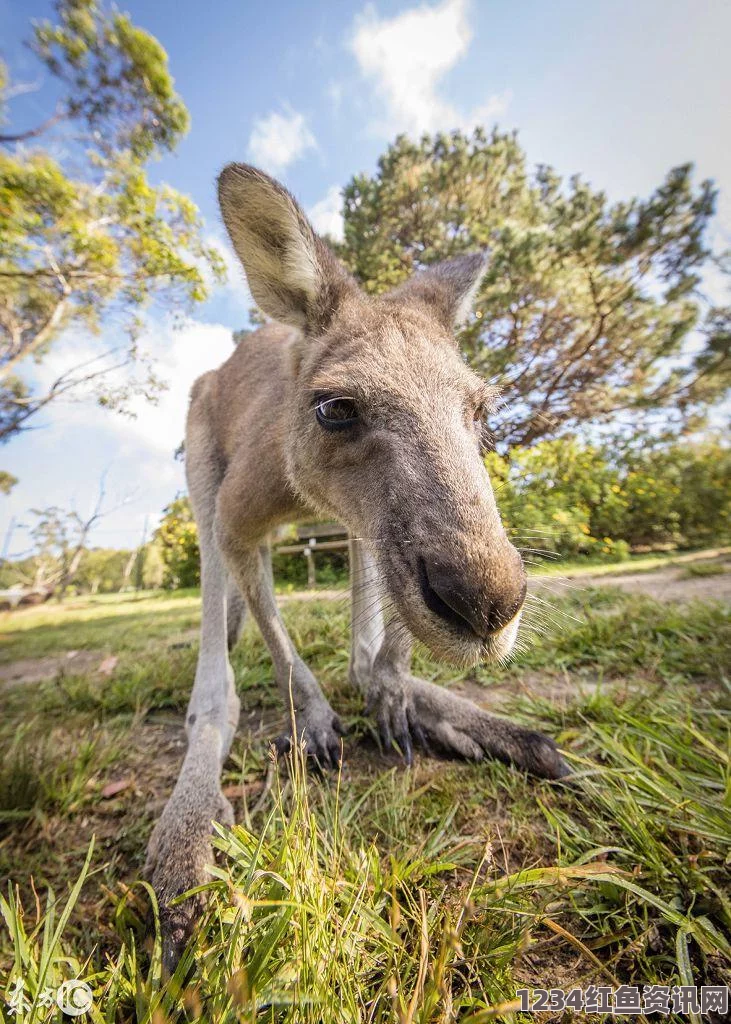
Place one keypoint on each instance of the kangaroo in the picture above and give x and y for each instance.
(360, 408)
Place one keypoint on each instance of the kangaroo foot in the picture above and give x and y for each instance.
(320, 729)
(410, 710)
(179, 855)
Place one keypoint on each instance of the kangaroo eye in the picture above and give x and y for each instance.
(336, 413)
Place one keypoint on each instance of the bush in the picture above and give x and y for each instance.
(680, 494)
(579, 500)
(549, 494)
(177, 536)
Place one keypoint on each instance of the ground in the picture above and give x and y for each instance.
(381, 893)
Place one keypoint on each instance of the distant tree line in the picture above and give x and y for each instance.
(558, 497)
(99, 571)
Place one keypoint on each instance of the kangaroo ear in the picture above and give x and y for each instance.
(448, 288)
(292, 274)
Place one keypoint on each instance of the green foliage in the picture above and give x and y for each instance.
(58, 536)
(178, 539)
(98, 570)
(20, 571)
(116, 74)
(548, 493)
(87, 238)
(682, 492)
(586, 305)
(570, 499)
(331, 569)
(101, 571)
(7, 482)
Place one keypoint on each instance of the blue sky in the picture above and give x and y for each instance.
(618, 92)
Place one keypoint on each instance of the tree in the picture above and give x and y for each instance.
(549, 494)
(7, 482)
(587, 306)
(86, 238)
(177, 537)
(61, 540)
(575, 499)
(677, 493)
(101, 570)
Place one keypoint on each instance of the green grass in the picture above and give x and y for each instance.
(51, 771)
(115, 623)
(705, 569)
(635, 563)
(108, 622)
(381, 894)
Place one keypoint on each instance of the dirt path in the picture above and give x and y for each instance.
(35, 670)
(664, 584)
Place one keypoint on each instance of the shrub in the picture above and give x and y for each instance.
(178, 537)
(579, 500)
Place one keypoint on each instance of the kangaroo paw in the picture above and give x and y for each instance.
(322, 732)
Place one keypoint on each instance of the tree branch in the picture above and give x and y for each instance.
(40, 338)
(24, 408)
(33, 133)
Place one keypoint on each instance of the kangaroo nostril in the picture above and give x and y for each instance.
(445, 594)
(502, 612)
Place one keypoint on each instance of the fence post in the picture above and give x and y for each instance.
(311, 581)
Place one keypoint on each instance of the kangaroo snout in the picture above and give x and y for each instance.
(478, 602)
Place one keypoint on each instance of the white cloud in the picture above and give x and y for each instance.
(406, 58)
(326, 215)
(74, 443)
(277, 140)
(180, 355)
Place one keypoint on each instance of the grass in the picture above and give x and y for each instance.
(51, 771)
(115, 623)
(705, 569)
(379, 894)
(122, 622)
(638, 563)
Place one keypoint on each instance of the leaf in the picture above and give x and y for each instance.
(114, 788)
(108, 665)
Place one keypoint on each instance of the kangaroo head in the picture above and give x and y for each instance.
(383, 421)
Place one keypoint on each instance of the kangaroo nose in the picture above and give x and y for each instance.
(483, 610)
